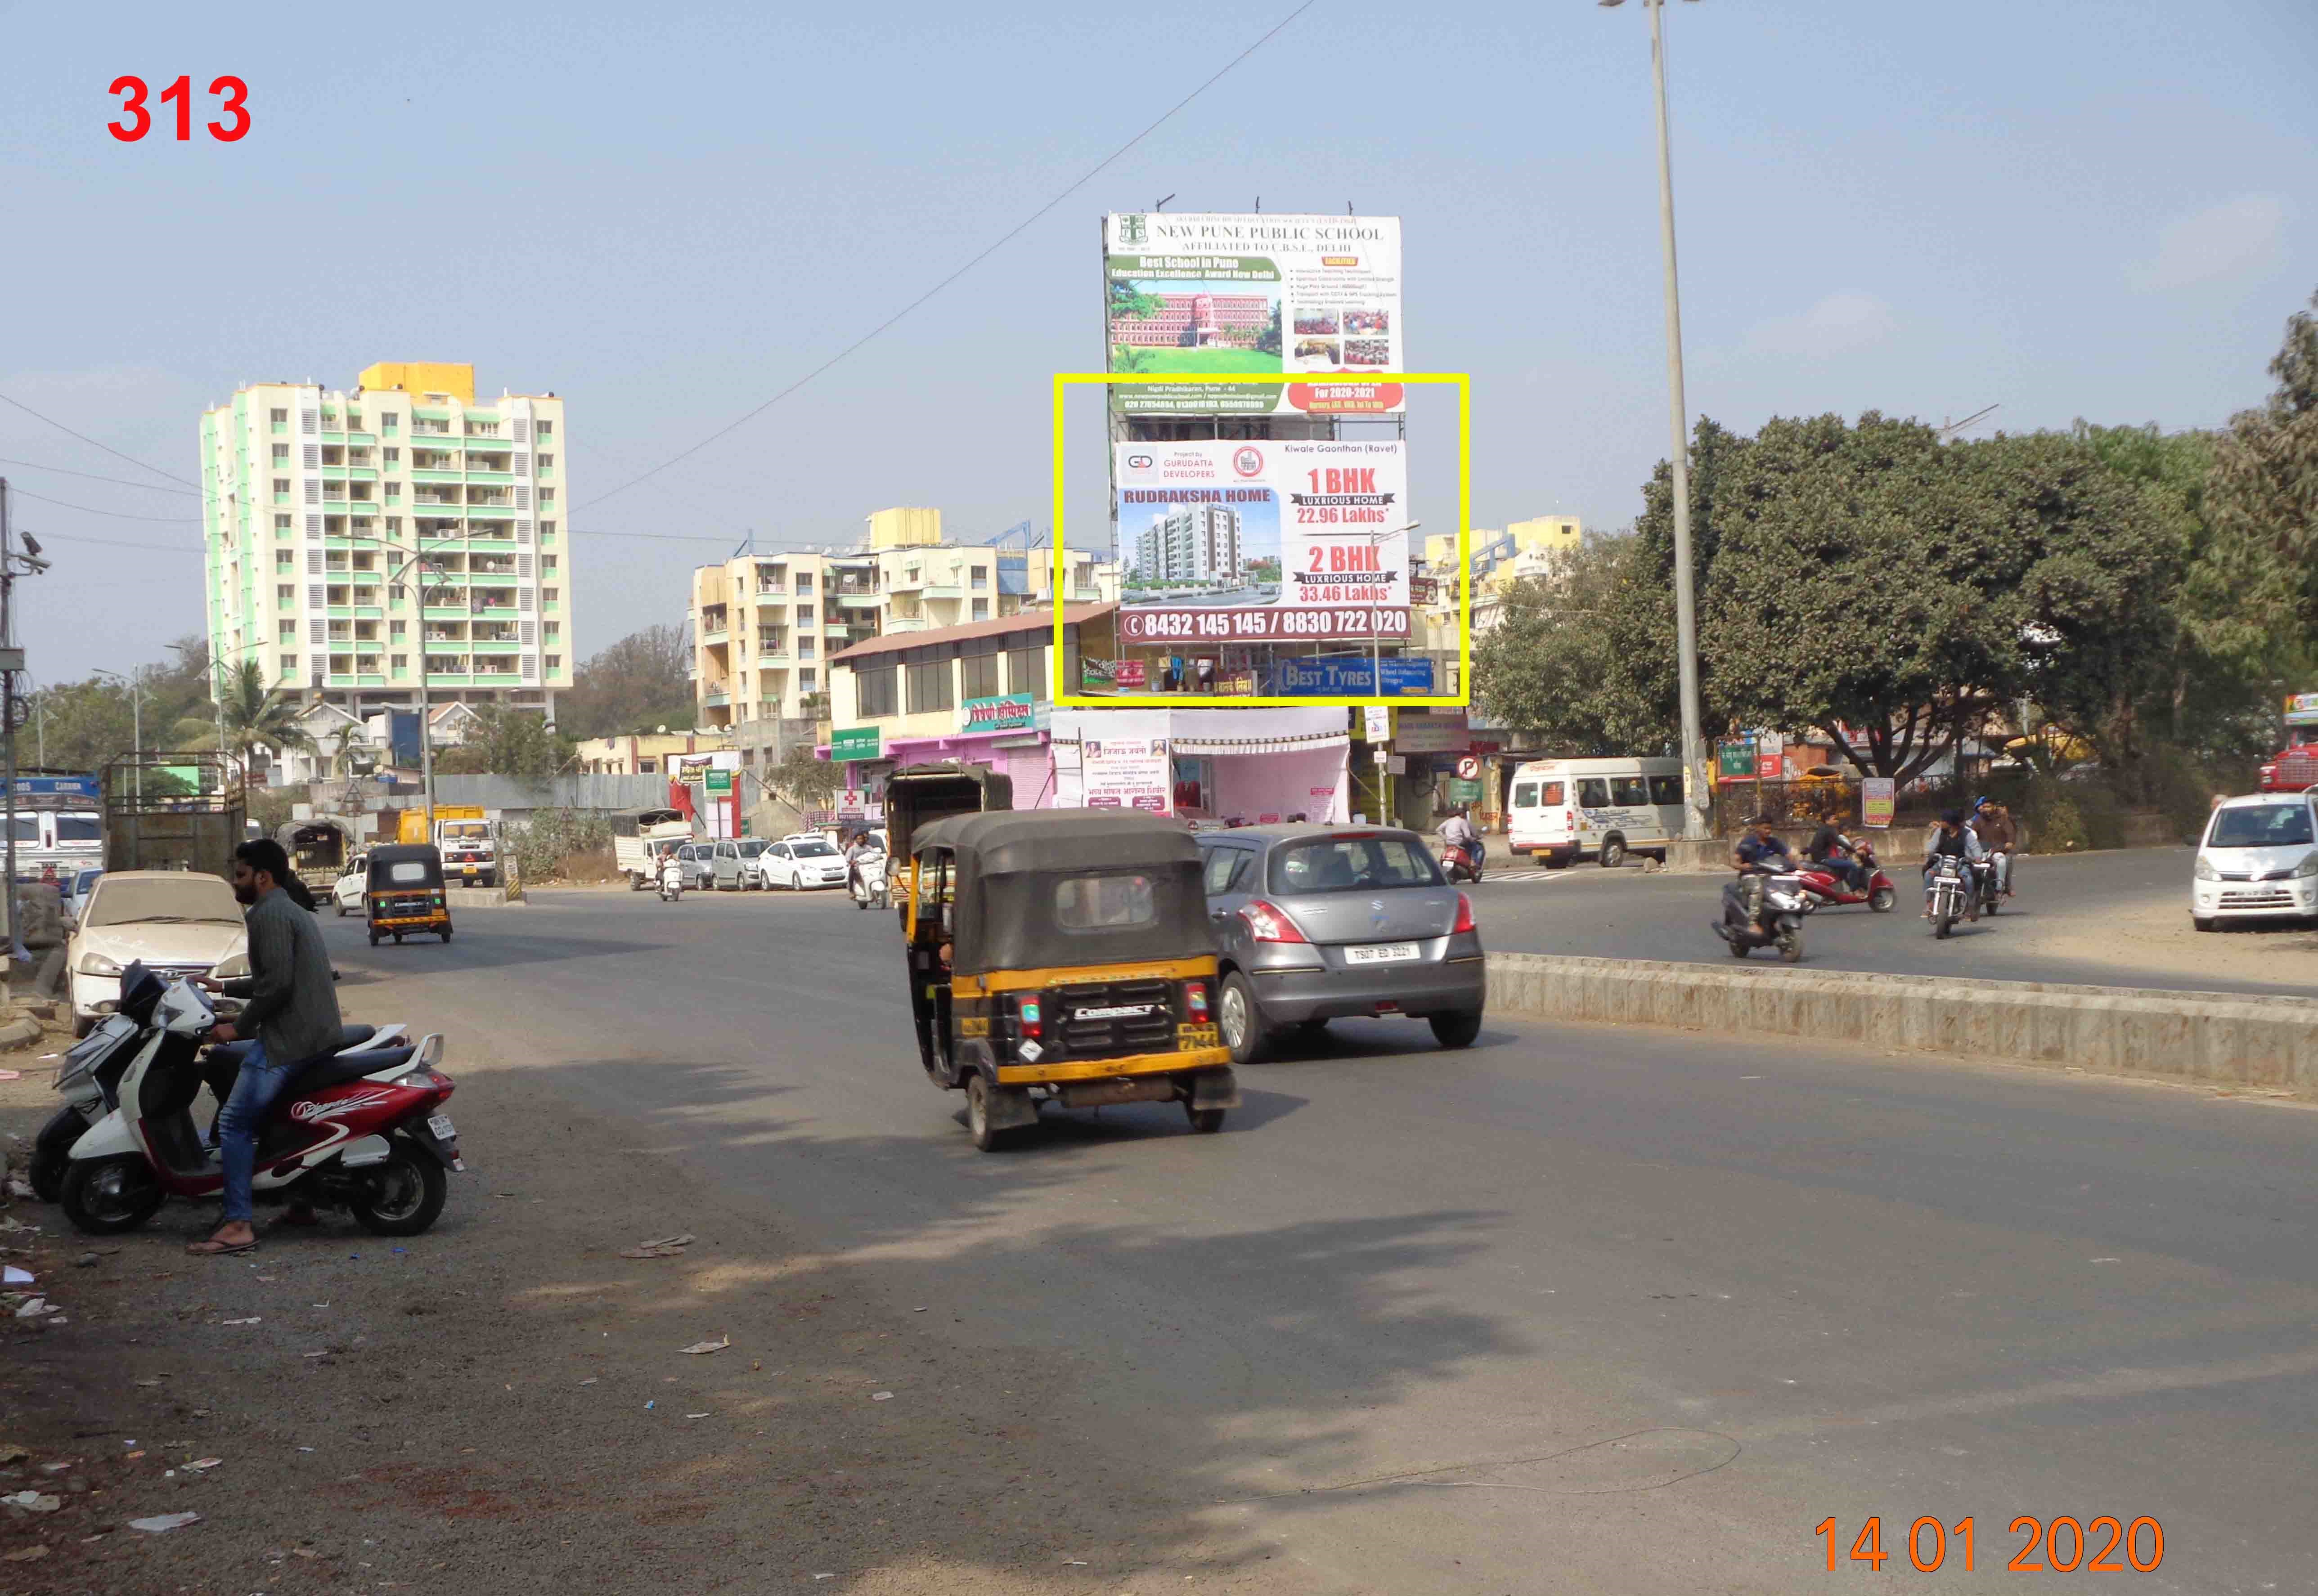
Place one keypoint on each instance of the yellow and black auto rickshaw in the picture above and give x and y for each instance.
(402, 895)
(1063, 956)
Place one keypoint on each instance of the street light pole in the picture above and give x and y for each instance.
(136, 723)
(1697, 781)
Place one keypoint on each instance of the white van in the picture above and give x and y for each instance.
(1563, 809)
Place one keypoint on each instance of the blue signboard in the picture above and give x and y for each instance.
(1351, 676)
(57, 786)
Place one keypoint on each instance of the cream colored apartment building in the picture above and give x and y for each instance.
(764, 625)
(1500, 558)
(358, 538)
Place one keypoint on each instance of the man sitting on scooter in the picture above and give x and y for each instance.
(1760, 847)
(1829, 848)
(1459, 831)
(292, 1011)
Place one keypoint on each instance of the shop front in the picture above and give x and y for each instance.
(1007, 732)
(1211, 766)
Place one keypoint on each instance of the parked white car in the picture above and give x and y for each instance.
(807, 859)
(177, 921)
(76, 895)
(2259, 857)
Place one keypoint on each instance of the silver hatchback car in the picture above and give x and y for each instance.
(1315, 923)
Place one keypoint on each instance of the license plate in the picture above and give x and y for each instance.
(1382, 953)
(441, 1127)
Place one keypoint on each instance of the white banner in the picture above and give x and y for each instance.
(1126, 773)
(1314, 528)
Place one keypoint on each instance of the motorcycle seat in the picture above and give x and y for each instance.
(339, 1068)
(237, 1052)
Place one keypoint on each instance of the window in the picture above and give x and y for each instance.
(545, 429)
(1525, 796)
(281, 527)
(394, 526)
(804, 681)
(394, 456)
(804, 646)
(551, 629)
(547, 563)
(281, 484)
(1104, 902)
(546, 496)
(289, 665)
(278, 418)
(982, 609)
(1228, 869)
(282, 456)
(1026, 671)
(554, 662)
(1666, 789)
(982, 576)
(1352, 864)
(410, 874)
(286, 595)
(547, 463)
(1629, 792)
(286, 632)
(402, 661)
(929, 686)
(388, 423)
(549, 595)
(981, 671)
(394, 490)
(2261, 825)
(1592, 793)
(874, 691)
(284, 558)
(547, 529)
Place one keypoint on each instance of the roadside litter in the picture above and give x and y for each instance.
(32, 1501)
(165, 1522)
(718, 1346)
(661, 1247)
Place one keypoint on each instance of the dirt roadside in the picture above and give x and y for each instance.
(504, 1404)
(2159, 935)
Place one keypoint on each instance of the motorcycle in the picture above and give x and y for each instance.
(90, 1081)
(362, 1131)
(1826, 886)
(866, 881)
(1764, 909)
(1951, 893)
(1989, 879)
(1458, 860)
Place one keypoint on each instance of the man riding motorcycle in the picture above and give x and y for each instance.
(1951, 837)
(1991, 822)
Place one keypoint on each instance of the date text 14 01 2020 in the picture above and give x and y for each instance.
(2059, 1546)
(1259, 624)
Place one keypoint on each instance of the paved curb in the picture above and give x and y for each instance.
(2222, 1039)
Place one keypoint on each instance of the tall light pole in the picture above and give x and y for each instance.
(136, 722)
(1376, 629)
(1697, 781)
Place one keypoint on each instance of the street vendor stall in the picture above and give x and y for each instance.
(1254, 766)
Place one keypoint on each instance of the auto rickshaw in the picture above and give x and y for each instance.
(1063, 956)
(403, 891)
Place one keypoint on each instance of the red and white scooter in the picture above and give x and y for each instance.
(1825, 886)
(360, 1131)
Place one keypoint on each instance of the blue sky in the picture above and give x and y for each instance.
(2099, 208)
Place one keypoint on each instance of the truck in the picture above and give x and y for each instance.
(59, 825)
(640, 837)
(172, 812)
(463, 835)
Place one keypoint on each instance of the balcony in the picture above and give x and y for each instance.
(859, 601)
(713, 638)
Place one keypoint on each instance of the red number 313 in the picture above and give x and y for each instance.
(233, 99)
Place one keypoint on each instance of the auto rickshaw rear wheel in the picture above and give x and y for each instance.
(1205, 1122)
(446, 933)
(978, 1093)
(373, 939)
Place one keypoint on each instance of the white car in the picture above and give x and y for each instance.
(808, 859)
(76, 896)
(177, 921)
(347, 892)
(737, 864)
(2259, 857)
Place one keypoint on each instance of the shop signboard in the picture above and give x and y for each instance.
(1376, 724)
(1126, 773)
(1735, 759)
(1110, 675)
(1878, 800)
(1306, 538)
(856, 742)
(1010, 712)
(1442, 731)
(1300, 309)
(2301, 710)
(1351, 676)
(1463, 790)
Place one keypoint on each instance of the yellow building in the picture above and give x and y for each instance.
(1500, 558)
(646, 753)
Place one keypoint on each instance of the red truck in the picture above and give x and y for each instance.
(2293, 770)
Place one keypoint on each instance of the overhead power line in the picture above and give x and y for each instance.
(34, 465)
(93, 444)
(116, 515)
(1006, 238)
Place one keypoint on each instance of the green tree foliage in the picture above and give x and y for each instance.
(1546, 664)
(511, 742)
(81, 725)
(253, 716)
(2262, 502)
(804, 779)
(641, 681)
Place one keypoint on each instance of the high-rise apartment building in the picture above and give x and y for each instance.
(764, 625)
(358, 539)
(1196, 544)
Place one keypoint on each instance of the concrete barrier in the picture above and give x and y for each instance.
(477, 898)
(2215, 1038)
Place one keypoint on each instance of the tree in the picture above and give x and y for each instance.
(641, 681)
(2262, 502)
(804, 778)
(511, 742)
(1545, 668)
(253, 716)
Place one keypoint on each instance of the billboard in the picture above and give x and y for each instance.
(1275, 538)
(1264, 299)
(1124, 773)
(1348, 676)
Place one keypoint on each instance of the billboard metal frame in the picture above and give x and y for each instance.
(1073, 694)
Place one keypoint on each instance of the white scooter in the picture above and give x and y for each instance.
(866, 882)
(363, 1130)
(671, 881)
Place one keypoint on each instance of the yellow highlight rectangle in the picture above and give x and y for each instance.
(1072, 693)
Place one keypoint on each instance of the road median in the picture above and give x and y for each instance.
(2210, 1038)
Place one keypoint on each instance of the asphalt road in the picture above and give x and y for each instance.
(1628, 914)
(1578, 1309)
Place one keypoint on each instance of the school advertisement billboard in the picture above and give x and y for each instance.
(1264, 539)
(1272, 300)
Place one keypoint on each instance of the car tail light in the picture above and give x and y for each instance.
(1195, 1002)
(1464, 915)
(1031, 1018)
(1267, 922)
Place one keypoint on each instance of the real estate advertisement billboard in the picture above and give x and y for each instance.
(1272, 300)
(1263, 540)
